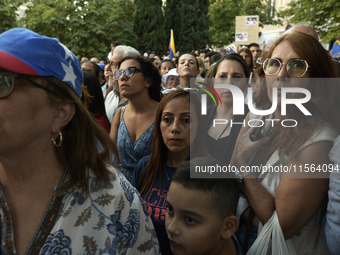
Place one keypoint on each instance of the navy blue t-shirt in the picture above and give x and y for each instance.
(155, 201)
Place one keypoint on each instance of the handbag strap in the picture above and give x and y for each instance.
(251, 217)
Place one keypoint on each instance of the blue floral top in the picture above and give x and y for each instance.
(112, 219)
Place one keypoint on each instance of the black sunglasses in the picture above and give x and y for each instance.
(129, 72)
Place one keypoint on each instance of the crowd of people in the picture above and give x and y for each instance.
(101, 156)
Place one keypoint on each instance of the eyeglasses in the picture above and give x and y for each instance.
(7, 81)
(191, 90)
(295, 67)
(129, 72)
(88, 70)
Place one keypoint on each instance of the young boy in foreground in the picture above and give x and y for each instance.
(200, 217)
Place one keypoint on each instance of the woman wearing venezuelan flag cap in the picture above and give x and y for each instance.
(58, 194)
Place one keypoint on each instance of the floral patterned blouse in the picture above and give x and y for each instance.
(111, 219)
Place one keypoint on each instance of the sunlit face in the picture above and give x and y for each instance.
(255, 51)
(187, 66)
(192, 224)
(229, 72)
(246, 57)
(166, 67)
(179, 123)
(135, 85)
(285, 53)
(172, 81)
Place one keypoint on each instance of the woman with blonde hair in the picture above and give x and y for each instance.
(297, 199)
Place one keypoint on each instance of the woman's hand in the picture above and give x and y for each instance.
(245, 147)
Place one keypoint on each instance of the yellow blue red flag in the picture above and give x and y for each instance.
(172, 45)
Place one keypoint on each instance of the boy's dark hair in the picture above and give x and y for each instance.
(224, 192)
(211, 54)
(215, 57)
(115, 43)
(205, 51)
(253, 45)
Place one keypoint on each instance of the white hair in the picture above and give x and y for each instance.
(126, 51)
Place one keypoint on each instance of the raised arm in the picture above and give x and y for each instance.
(296, 199)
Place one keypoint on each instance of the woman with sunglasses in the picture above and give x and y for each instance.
(58, 195)
(178, 135)
(132, 126)
(297, 198)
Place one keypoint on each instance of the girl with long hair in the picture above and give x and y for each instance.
(132, 126)
(179, 134)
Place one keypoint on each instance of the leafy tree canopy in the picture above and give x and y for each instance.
(85, 27)
(322, 15)
(222, 17)
(7, 14)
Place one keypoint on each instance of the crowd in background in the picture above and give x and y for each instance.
(127, 132)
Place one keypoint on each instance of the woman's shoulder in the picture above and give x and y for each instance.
(325, 133)
(119, 186)
(115, 210)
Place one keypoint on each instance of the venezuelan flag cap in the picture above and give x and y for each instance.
(25, 52)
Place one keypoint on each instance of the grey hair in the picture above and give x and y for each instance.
(126, 51)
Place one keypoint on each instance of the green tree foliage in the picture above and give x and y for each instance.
(222, 15)
(322, 15)
(194, 25)
(86, 27)
(7, 14)
(222, 21)
(171, 19)
(149, 26)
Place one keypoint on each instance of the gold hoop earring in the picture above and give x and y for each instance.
(60, 140)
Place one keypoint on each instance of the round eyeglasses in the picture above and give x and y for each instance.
(129, 72)
(7, 81)
(295, 68)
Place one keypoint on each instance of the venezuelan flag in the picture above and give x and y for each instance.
(172, 45)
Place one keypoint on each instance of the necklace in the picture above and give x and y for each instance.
(167, 176)
(225, 128)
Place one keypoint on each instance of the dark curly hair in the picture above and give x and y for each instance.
(149, 71)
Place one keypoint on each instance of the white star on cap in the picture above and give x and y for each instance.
(69, 76)
(67, 52)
